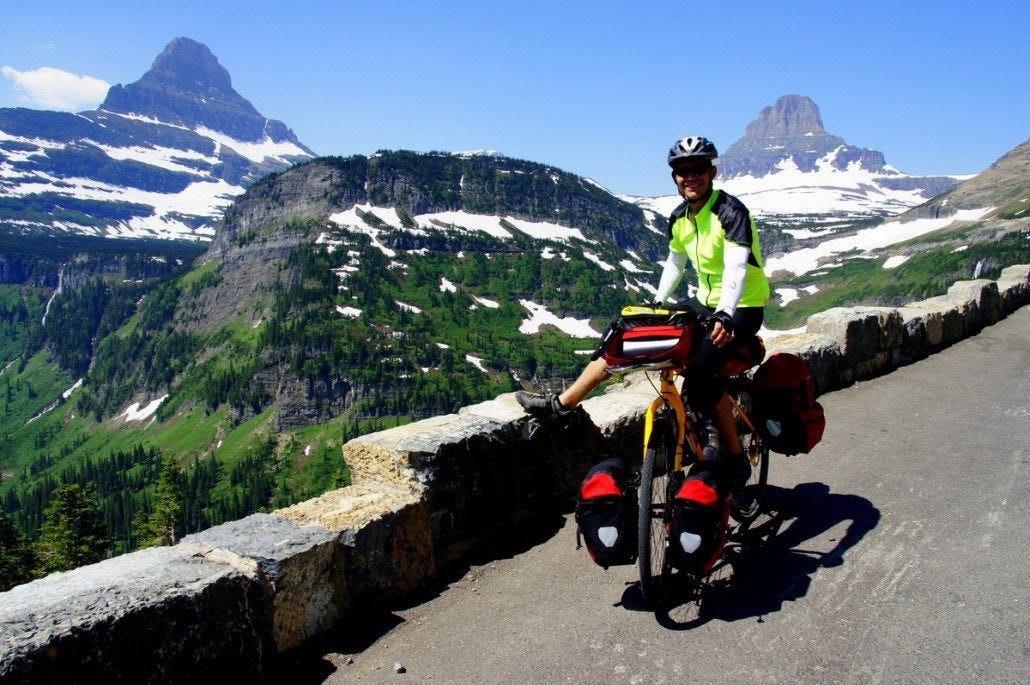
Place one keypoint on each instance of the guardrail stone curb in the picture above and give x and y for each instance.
(869, 338)
(300, 566)
(984, 295)
(1014, 287)
(157, 615)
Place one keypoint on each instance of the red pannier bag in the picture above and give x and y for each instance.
(790, 419)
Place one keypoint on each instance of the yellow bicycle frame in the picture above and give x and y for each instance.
(669, 396)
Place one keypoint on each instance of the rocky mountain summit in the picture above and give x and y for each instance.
(187, 86)
(791, 171)
(792, 128)
(162, 157)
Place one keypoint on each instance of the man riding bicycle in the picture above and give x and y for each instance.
(717, 234)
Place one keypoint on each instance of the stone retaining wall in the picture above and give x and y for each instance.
(426, 495)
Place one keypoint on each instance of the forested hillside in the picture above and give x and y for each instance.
(249, 366)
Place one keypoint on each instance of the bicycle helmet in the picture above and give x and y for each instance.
(692, 147)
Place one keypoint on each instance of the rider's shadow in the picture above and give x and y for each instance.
(769, 563)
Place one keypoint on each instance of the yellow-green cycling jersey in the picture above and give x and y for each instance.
(702, 237)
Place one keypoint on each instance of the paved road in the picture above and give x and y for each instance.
(897, 553)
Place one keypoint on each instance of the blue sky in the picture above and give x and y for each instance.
(600, 89)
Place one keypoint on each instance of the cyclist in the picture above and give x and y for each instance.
(717, 234)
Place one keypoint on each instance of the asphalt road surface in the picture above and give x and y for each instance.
(895, 552)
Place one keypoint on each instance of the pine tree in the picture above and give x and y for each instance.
(16, 558)
(73, 532)
(163, 525)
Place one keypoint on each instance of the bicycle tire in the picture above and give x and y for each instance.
(653, 517)
(746, 502)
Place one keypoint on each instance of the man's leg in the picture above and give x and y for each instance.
(592, 376)
(553, 406)
(722, 416)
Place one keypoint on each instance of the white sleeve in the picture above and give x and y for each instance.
(671, 275)
(734, 270)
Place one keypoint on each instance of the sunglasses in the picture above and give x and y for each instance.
(688, 171)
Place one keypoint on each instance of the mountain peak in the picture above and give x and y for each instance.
(187, 86)
(791, 116)
(192, 68)
(790, 132)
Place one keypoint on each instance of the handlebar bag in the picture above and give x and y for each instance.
(606, 514)
(666, 343)
(790, 419)
(645, 334)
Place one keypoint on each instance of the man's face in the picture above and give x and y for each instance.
(693, 179)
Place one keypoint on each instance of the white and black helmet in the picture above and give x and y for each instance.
(692, 147)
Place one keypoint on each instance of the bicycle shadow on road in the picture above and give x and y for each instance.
(768, 563)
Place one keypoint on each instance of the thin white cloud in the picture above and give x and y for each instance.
(52, 88)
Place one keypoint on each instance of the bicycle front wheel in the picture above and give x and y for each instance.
(654, 516)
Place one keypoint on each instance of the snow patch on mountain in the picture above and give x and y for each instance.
(791, 195)
(476, 362)
(808, 259)
(540, 316)
(257, 152)
(134, 413)
(355, 219)
(895, 261)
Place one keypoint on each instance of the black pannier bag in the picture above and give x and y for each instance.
(606, 514)
(699, 520)
(790, 419)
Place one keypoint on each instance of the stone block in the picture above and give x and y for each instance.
(1014, 287)
(980, 296)
(923, 331)
(945, 321)
(301, 567)
(404, 455)
(165, 614)
(821, 353)
(389, 547)
(869, 338)
(392, 556)
(478, 478)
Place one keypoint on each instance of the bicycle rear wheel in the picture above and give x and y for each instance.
(653, 516)
(747, 498)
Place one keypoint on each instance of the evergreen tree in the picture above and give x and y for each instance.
(16, 558)
(163, 525)
(73, 532)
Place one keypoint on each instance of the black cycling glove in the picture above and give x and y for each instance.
(725, 319)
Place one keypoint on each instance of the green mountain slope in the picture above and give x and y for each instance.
(295, 333)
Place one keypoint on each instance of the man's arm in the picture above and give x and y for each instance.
(734, 271)
(671, 275)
